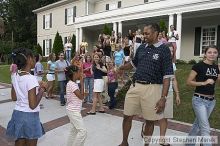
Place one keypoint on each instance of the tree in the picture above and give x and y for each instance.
(107, 30)
(73, 42)
(58, 44)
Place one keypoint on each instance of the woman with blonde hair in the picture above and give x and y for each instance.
(51, 67)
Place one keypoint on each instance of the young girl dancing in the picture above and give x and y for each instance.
(74, 105)
(25, 127)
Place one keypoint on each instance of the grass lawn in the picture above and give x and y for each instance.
(5, 74)
(184, 112)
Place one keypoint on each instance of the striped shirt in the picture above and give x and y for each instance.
(73, 102)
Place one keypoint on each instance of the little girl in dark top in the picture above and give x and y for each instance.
(112, 83)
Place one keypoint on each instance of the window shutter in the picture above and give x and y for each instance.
(218, 39)
(43, 47)
(50, 20)
(74, 13)
(107, 7)
(197, 41)
(119, 4)
(65, 16)
(65, 40)
(43, 21)
(50, 45)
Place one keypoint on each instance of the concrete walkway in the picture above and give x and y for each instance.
(103, 129)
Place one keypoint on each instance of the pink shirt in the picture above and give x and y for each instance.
(112, 77)
(73, 102)
(87, 72)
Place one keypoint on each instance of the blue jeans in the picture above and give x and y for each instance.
(203, 109)
(62, 85)
(111, 92)
(68, 55)
(88, 82)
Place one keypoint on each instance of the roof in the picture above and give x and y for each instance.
(53, 5)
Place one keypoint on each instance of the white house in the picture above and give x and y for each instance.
(197, 21)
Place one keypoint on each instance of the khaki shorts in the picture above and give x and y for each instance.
(168, 111)
(142, 99)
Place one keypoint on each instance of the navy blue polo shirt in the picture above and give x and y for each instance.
(152, 63)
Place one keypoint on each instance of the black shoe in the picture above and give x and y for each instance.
(62, 104)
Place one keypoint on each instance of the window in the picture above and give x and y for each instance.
(107, 6)
(47, 47)
(70, 15)
(47, 21)
(119, 4)
(208, 37)
(113, 6)
(145, 1)
(65, 40)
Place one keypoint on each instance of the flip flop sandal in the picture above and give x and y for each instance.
(101, 111)
(164, 144)
(91, 113)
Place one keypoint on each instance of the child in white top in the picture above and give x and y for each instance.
(25, 127)
(73, 108)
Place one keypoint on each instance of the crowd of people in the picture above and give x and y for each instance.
(151, 54)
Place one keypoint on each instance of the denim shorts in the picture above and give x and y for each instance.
(25, 125)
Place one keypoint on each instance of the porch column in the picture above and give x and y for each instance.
(120, 27)
(115, 28)
(80, 35)
(87, 7)
(179, 30)
(171, 19)
(77, 39)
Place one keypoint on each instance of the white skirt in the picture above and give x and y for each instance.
(98, 85)
(127, 58)
(50, 77)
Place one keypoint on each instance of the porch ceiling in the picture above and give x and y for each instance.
(204, 13)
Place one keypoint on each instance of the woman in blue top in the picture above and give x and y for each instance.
(51, 66)
(98, 71)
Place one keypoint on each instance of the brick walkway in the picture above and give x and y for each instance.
(54, 119)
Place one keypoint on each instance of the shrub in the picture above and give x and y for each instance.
(37, 49)
(178, 61)
(58, 44)
(106, 30)
(163, 26)
(192, 61)
(73, 41)
(122, 92)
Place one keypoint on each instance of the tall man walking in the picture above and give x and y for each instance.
(153, 68)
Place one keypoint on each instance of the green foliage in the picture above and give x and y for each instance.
(178, 61)
(73, 41)
(5, 47)
(163, 26)
(58, 44)
(192, 61)
(121, 93)
(38, 49)
(19, 19)
(107, 30)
